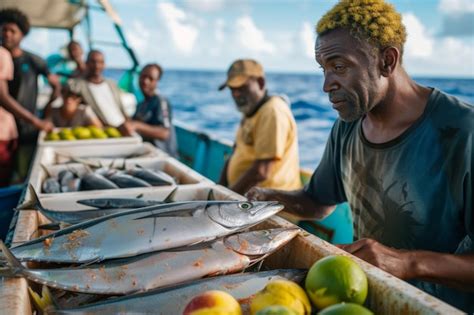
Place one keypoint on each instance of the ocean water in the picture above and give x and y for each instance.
(197, 103)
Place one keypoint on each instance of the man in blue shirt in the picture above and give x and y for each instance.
(152, 119)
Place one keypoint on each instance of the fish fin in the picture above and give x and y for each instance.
(54, 226)
(90, 262)
(44, 302)
(85, 202)
(171, 195)
(12, 261)
(35, 201)
(210, 195)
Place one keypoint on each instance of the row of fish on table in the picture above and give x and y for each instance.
(151, 251)
(67, 180)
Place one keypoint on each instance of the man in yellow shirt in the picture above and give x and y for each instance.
(266, 145)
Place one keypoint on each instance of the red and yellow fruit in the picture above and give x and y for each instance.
(213, 302)
(281, 292)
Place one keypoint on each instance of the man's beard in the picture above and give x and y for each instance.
(245, 107)
(352, 115)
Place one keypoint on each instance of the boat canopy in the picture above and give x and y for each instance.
(63, 14)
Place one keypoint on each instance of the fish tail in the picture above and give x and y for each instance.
(31, 203)
(15, 266)
(35, 201)
(43, 302)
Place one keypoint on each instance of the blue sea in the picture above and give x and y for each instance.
(197, 103)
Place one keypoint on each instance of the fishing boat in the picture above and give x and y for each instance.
(202, 158)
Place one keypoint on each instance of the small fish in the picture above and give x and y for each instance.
(125, 203)
(127, 181)
(173, 300)
(63, 217)
(154, 178)
(71, 185)
(145, 230)
(231, 254)
(92, 181)
(51, 186)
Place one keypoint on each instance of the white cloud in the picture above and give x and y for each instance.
(426, 54)
(205, 5)
(138, 36)
(419, 43)
(38, 41)
(307, 37)
(251, 37)
(456, 6)
(219, 30)
(181, 25)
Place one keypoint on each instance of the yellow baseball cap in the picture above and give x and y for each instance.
(240, 71)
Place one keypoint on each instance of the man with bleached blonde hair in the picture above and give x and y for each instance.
(400, 153)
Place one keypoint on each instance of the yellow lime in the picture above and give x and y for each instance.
(113, 132)
(345, 309)
(284, 293)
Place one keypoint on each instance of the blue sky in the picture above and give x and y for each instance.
(210, 34)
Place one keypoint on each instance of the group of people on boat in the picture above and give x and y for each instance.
(401, 154)
(88, 99)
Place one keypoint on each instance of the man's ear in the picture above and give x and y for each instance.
(389, 60)
(261, 82)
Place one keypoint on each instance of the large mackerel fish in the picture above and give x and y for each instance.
(226, 255)
(173, 300)
(145, 230)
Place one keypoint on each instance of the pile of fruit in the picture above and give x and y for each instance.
(81, 133)
(334, 285)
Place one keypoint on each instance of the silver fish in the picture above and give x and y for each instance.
(94, 181)
(154, 178)
(51, 186)
(156, 270)
(125, 203)
(145, 230)
(67, 217)
(127, 181)
(173, 300)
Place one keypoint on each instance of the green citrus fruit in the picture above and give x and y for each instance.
(345, 309)
(276, 310)
(336, 279)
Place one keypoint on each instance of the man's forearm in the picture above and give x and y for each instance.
(14, 107)
(452, 270)
(258, 172)
(150, 131)
(297, 202)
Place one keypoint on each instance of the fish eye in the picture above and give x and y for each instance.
(245, 205)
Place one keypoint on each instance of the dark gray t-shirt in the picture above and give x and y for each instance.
(156, 111)
(24, 88)
(414, 192)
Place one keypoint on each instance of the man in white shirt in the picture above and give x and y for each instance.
(101, 94)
